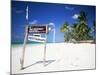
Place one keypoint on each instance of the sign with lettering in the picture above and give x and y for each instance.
(37, 29)
(36, 38)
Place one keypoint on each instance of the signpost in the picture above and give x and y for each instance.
(35, 30)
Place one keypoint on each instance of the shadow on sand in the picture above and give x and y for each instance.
(46, 63)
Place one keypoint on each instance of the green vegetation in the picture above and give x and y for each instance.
(67, 29)
(80, 30)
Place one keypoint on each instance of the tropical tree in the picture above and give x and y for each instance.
(94, 27)
(93, 30)
(82, 16)
(66, 29)
(81, 30)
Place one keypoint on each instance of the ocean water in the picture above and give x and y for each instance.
(18, 44)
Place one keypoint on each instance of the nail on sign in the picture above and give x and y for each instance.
(37, 29)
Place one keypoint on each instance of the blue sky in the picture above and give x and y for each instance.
(46, 13)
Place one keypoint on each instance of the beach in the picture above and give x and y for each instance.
(61, 57)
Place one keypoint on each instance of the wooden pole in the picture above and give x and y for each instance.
(45, 43)
(24, 46)
(44, 58)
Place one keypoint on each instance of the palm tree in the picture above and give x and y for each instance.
(94, 26)
(82, 16)
(81, 29)
(93, 31)
(66, 29)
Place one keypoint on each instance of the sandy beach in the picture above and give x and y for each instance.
(61, 57)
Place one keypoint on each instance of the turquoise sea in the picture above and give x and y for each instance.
(17, 44)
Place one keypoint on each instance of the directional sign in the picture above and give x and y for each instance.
(37, 29)
(36, 38)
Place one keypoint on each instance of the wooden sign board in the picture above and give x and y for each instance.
(37, 29)
(36, 38)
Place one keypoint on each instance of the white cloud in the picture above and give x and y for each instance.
(69, 8)
(51, 23)
(33, 22)
(75, 16)
(19, 11)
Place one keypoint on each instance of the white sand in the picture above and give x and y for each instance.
(67, 57)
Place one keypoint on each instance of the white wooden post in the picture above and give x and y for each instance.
(44, 58)
(45, 44)
(24, 46)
